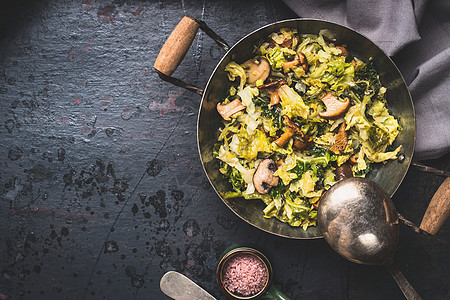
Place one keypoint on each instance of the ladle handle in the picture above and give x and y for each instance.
(407, 289)
(438, 210)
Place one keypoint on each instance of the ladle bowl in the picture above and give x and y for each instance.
(359, 221)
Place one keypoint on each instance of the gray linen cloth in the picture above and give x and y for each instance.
(416, 34)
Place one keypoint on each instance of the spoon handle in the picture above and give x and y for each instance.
(407, 289)
(179, 287)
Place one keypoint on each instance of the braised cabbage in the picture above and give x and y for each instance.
(304, 171)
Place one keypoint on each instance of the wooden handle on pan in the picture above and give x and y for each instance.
(438, 210)
(176, 46)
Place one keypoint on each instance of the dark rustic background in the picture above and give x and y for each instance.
(102, 189)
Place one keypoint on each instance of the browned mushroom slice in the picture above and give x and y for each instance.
(340, 141)
(290, 64)
(344, 171)
(353, 160)
(301, 144)
(258, 68)
(263, 179)
(303, 61)
(272, 85)
(291, 124)
(343, 49)
(300, 59)
(280, 162)
(297, 129)
(316, 205)
(272, 43)
(284, 138)
(335, 108)
(226, 111)
(286, 43)
(274, 98)
(261, 128)
(272, 88)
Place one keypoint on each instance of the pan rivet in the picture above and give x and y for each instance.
(401, 158)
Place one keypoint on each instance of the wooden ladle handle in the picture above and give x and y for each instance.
(438, 210)
(176, 46)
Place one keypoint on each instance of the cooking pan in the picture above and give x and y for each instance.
(400, 105)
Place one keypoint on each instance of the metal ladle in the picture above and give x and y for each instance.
(359, 221)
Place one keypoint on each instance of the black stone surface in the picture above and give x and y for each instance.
(101, 187)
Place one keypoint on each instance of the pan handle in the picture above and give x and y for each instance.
(430, 170)
(438, 210)
(176, 47)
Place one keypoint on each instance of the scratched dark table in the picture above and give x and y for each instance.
(102, 188)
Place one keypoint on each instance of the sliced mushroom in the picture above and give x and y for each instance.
(300, 144)
(300, 59)
(226, 111)
(272, 89)
(284, 138)
(343, 49)
(263, 179)
(340, 141)
(291, 124)
(261, 128)
(272, 43)
(297, 129)
(280, 162)
(286, 43)
(272, 85)
(290, 64)
(353, 160)
(335, 107)
(258, 68)
(316, 205)
(303, 61)
(274, 98)
(344, 171)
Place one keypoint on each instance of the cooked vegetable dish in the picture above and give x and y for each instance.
(299, 116)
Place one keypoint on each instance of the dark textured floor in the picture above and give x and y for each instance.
(102, 190)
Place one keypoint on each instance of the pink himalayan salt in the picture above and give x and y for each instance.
(244, 274)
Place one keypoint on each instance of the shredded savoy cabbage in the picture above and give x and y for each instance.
(281, 117)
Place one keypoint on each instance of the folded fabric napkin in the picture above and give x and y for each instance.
(416, 34)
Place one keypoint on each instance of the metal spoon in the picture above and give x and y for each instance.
(179, 287)
(359, 221)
